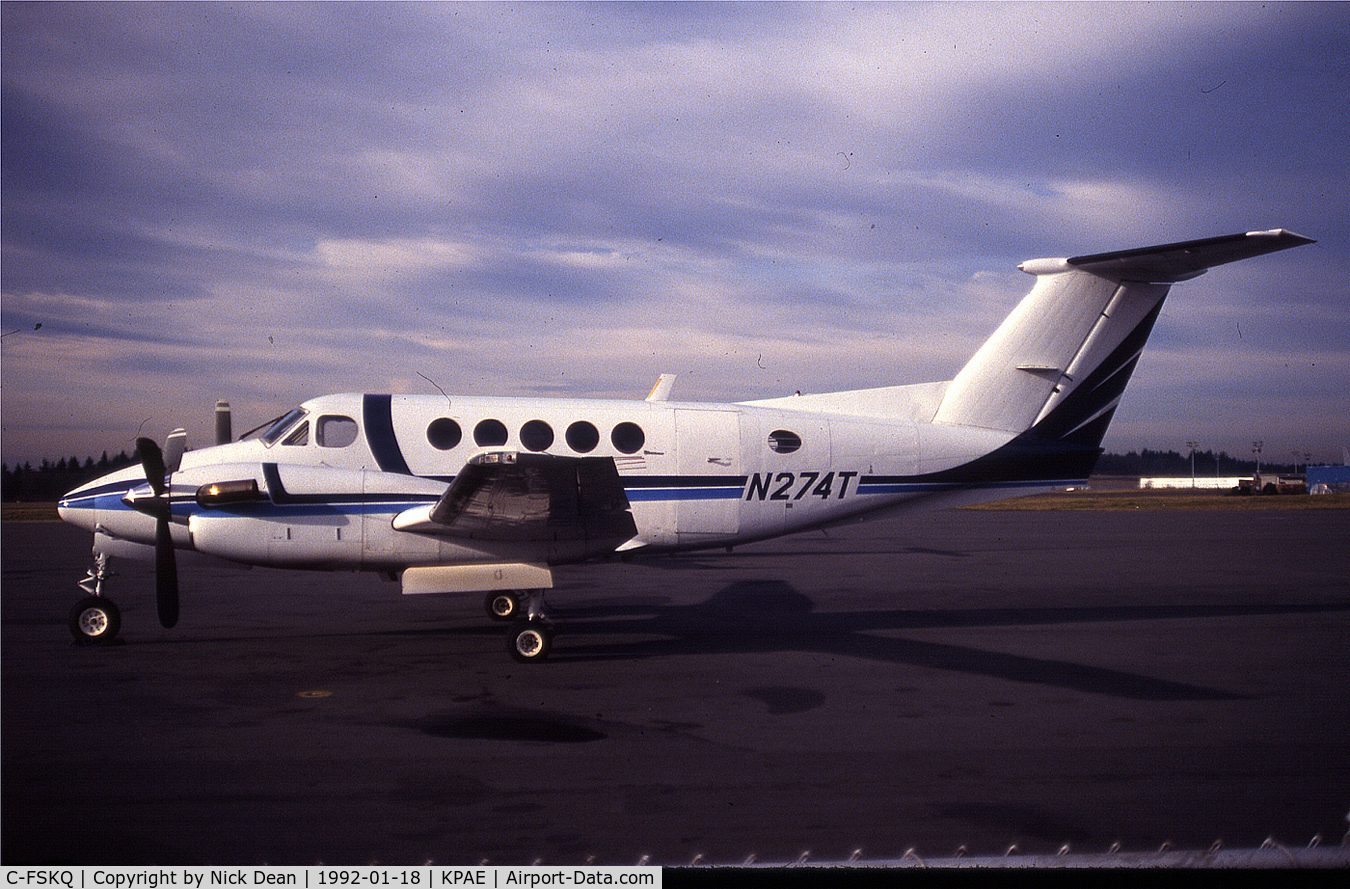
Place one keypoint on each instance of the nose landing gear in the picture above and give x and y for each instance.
(94, 619)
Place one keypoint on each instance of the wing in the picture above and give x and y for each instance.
(506, 496)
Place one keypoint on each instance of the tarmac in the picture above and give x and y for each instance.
(971, 679)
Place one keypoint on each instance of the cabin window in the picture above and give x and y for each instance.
(444, 433)
(582, 437)
(628, 438)
(783, 442)
(300, 436)
(489, 434)
(536, 435)
(335, 431)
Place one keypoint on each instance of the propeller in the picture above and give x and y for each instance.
(157, 473)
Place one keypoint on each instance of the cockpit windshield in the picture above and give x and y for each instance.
(272, 430)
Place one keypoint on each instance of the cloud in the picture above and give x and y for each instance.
(275, 200)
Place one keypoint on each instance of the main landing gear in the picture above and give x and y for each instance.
(94, 619)
(531, 633)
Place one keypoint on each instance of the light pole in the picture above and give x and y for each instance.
(1256, 451)
(1192, 445)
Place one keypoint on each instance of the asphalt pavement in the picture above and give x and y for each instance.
(963, 678)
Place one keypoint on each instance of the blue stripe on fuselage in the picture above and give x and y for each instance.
(378, 413)
(639, 495)
(647, 488)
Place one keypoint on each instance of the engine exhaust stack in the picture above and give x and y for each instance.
(224, 428)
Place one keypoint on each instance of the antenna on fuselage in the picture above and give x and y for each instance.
(438, 388)
(661, 391)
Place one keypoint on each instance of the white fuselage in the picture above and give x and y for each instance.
(338, 474)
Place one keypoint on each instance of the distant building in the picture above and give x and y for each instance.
(1199, 482)
(1335, 478)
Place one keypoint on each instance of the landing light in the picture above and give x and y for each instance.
(223, 493)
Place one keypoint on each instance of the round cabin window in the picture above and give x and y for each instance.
(582, 437)
(536, 435)
(628, 438)
(783, 442)
(444, 433)
(489, 434)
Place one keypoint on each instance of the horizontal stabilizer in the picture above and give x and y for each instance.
(1186, 259)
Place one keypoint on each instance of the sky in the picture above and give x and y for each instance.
(268, 202)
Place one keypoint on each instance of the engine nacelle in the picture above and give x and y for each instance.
(299, 516)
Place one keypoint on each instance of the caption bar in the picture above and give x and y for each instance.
(320, 877)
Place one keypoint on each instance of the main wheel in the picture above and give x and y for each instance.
(94, 621)
(502, 605)
(529, 641)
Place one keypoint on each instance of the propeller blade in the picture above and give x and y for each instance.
(152, 460)
(174, 446)
(166, 573)
(166, 562)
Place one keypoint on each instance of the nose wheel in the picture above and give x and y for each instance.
(94, 620)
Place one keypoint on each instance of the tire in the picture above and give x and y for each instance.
(529, 642)
(94, 620)
(502, 606)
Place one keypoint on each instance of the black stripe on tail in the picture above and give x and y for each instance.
(1082, 417)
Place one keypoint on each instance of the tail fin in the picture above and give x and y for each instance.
(1058, 365)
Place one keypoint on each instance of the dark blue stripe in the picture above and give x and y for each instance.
(683, 481)
(648, 494)
(646, 488)
(329, 508)
(89, 499)
(379, 416)
(1069, 421)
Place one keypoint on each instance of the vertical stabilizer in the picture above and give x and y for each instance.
(1060, 362)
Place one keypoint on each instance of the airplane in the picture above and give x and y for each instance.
(491, 495)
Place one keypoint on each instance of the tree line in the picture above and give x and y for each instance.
(48, 481)
(1170, 464)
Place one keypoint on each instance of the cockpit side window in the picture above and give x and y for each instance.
(333, 431)
(300, 436)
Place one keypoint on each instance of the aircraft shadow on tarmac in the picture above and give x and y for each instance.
(772, 616)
